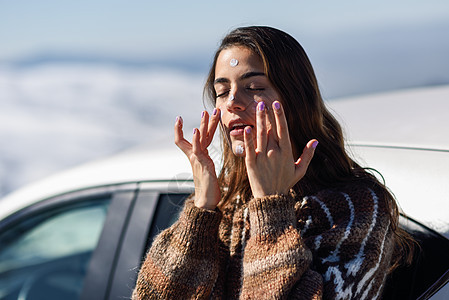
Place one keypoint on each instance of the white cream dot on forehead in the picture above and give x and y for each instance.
(233, 62)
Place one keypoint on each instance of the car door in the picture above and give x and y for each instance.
(48, 250)
(156, 207)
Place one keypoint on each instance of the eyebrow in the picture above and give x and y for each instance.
(244, 76)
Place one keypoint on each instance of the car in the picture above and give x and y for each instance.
(83, 233)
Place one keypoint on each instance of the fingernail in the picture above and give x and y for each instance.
(194, 130)
(261, 106)
(179, 119)
(202, 114)
(214, 112)
(314, 144)
(277, 105)
(248, 129)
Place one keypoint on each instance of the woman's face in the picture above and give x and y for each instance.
(240, 83)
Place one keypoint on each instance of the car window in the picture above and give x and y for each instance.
(45, 255)
(167, 212)
(429, 270)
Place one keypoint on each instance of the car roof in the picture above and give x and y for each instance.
(415, 118)
(160, 166)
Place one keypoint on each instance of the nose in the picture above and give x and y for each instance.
(235, 102)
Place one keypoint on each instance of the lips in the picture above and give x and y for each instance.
(237, 128)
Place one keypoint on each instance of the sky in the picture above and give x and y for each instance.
(144, 29)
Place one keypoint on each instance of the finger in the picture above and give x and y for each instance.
(180, 141)
(261, 127)
(281, 126)
(250, 155)
(204, 125)
(214, 120)
(196, 141)
(272, 131)
(306, 157)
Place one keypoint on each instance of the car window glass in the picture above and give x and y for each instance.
(167, 212)
(45, 256)
(429, 270)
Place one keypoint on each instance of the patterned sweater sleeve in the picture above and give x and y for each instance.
(337, 246)
(181, 263)
(350, 239)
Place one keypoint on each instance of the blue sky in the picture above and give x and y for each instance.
(145, 29)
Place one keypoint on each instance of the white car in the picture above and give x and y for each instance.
(82, 234)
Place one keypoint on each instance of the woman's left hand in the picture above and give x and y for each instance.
(271, 166)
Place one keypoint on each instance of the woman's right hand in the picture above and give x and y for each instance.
(207, 191)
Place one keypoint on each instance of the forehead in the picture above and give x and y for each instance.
(247, 60)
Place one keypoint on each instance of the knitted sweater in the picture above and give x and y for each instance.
(336, 244)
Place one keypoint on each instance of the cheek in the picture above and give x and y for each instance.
(269, 98)
(221, 105)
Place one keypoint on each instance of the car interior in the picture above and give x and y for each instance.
(429, 270)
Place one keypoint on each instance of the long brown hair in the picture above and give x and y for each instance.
(288, 68)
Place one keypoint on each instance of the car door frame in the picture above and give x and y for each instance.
(103, 261)
(133, 246)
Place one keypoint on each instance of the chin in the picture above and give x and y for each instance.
(238, 148)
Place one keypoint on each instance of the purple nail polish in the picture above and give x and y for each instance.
(314, 144)
(277, 105)
(248, 129)
(214, 112)
(261, 106)
(194, 130)
(202, 114)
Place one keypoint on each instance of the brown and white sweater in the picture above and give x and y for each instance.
(336, 244)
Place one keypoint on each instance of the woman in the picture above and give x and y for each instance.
(284, 219)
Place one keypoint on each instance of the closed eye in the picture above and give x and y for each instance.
(255, 90)
(222, 94)
(254, 86)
